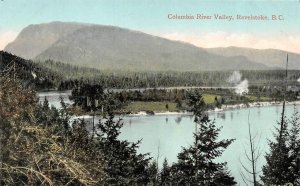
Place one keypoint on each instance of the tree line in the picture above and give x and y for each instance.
(43, 146)
(31, 74)
(124, 80)
(49, 74)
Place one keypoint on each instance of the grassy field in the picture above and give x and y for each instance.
(151, 106)
(160, 106)
(165, 106)
(209, 98)
(255, 98)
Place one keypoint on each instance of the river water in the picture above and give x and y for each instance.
(163, 136)
(54, 97)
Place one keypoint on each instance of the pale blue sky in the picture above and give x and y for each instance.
(151, 16)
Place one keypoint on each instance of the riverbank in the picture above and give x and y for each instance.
(254, 104)
(222, 109)
(140, 108)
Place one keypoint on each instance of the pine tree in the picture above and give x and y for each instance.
(152, 171)
(165, 174)
(276, 171)
(294, 147)
(123, 164)
(196, 165)
(278, 167)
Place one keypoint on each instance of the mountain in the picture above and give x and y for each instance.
(34, 39)
(270, 57)
(114, 48)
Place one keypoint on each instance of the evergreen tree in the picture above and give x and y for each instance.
(277, 169)
(196, 165)
(294, 147)
(153, 173)
(123, 164)
(165, 174)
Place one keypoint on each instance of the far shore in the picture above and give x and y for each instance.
(185, 113)
(222, 109)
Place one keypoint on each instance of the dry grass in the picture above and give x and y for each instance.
(33, 153)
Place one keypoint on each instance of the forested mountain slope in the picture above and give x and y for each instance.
(114, 48)
(30, 73)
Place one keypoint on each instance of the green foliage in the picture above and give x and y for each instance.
(165, 174)
(29, 73)
(34, 149)
(265, 79)
(196, 164)
(92, 97)
(283, 159)
(40, 146)
(135, 107)
(123, 165)
(294, 147)
(276, 170)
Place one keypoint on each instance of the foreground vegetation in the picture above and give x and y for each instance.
(41, 147)
(44, 146)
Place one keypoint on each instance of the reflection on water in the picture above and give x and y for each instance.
(54, 97)
(178, 119)
(171, 133)
(178, 133)
(277, 110)
(221, 115)
(258, 111)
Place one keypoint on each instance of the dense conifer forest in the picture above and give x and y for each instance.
(45, 146)
(57, 75)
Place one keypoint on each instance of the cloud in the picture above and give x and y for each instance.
(225, 39)
(6, 38)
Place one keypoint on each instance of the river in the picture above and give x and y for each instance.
(54, 97)
(163, 136)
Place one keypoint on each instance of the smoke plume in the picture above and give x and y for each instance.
(240, 86)
(235, 77)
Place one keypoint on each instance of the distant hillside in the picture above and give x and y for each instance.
(30, 73)
(114, 48)
(270, 57)
(56, 75)
(34, 39)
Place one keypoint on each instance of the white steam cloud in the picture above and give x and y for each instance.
(235, 77)
(241, 87)
(298, 80)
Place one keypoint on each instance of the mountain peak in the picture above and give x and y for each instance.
(115, 48)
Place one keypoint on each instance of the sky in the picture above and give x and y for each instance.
(152, 16)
